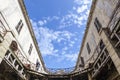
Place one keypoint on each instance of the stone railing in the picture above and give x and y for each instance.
(15, 64)
(95, 54)
(28, 64)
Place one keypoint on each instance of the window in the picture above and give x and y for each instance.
(82, 62)
(97, 24)
(19, 26)
(2, 29)
(88, 48)
(101, 44)
(37, 65)
(93, 40)
(30, 49)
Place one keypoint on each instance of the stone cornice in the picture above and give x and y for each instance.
(24, 11)
(87, 28)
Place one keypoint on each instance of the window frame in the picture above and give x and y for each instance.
(82, 64)
(97, 24)
(88, 48)
(19, 26)
(30, 49)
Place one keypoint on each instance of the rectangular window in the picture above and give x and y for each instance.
(19, 26)
(2, 29)
(37, 65)
(30, 49)
(93, 40)
(101, 44)
(88, 48)
(82, 62)
(97, 24)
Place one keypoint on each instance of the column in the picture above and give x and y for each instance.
(89, 76)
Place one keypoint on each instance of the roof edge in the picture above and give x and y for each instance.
(24, 10)
(87, 28)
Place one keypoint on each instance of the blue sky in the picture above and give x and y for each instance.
(59, 28)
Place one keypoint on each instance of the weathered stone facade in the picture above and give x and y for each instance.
(101, 43)
(99, 57)
(19, 52)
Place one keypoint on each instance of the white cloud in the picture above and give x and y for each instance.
(55, 18)
(34, 24)
(49, 18)
(77, 18)
(76, 39)
(82, 9)
(71, 57)
(46, 36)
(79, 2)
(87, 1)
(71, 44)
(41, 23)
(79, 22)
(65, 48)
(87, 12)
(68, 20)
(74, 8)
(80, 18)
(83, 32)
(45, 42)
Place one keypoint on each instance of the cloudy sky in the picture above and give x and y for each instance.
(59, 28)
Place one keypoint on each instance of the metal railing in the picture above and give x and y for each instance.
(52, 71)
(60, 71)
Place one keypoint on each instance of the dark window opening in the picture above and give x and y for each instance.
(101, 44)
(82, 62)
(97, 24)
(88, 48)
(37, 65)
(19, 26)
(30, 49)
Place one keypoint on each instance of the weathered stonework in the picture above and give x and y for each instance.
(99, 57)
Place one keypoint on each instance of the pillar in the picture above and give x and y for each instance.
(89, 76)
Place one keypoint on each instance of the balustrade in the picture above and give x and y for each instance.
(60, 70)
(3, 31)
(114, 29)
(100, 61)
(115, 35)
(14, 63)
